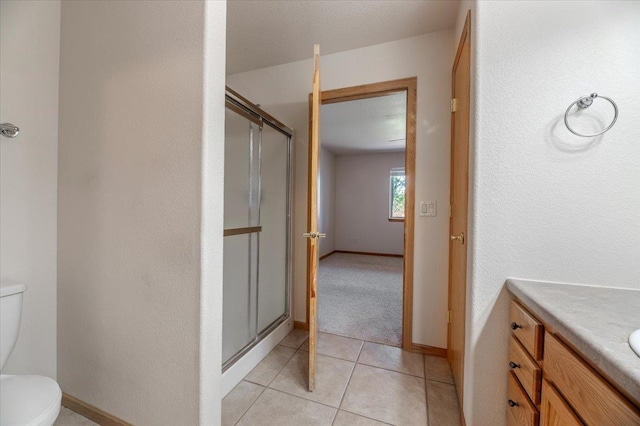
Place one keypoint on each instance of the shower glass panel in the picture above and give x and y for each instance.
(238, 134)
(257, 226)
(236, 327)
(240, 244)
(273, 219)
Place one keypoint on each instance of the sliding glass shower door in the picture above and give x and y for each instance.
(257, 227)
(272, 269)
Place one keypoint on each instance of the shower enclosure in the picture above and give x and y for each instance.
(257, 226)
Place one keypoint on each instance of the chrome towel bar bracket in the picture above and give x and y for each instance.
(584, 102)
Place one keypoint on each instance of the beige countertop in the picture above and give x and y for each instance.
(596, 320)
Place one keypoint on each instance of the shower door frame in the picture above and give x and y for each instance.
(242, 106)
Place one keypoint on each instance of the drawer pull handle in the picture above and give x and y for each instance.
(512, 403)
(513, 364)
(515, 325)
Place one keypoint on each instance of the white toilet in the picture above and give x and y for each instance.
(24, 400)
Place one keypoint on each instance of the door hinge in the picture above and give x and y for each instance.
(450, 211)
(449, 313)
(454, 104)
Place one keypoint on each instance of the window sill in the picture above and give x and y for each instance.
(396, 219)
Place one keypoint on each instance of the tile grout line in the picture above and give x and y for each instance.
(337, 357)
(355, 363)
(348, 381)
(340, 408)
(440, 381)
(344, 393)
(291, 347)
(360, 352)
(424, 371)
(392, 371)
(274, 377)
(307, 399)
(304, 399)
(364, 340)
(264, 388)
(301, 397)
(426, 390)
(366, 417)
(283, 366)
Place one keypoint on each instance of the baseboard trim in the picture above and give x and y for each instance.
(429, 350)
(327, 255)
(92, 413)
(301, 325)
(368, 253)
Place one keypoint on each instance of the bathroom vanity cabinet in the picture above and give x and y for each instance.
(550, 383)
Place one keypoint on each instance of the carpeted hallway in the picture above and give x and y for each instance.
(360, 296)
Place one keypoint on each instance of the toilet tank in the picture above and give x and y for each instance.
(10, 313)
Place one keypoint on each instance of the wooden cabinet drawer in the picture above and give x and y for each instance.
(520, 411)
(526, 369)
(595, 400)
(527, 329)
(554, 411)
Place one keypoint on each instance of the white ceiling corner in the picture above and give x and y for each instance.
(264, 33)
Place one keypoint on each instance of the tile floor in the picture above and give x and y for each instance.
(357, 383)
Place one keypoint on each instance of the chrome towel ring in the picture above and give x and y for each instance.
(584, 102)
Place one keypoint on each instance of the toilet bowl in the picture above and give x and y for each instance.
(25, 400)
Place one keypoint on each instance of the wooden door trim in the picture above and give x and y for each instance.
(408, 85)
(465, 36)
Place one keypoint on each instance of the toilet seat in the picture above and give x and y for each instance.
(28, 400)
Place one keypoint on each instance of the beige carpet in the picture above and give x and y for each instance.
(361, 296)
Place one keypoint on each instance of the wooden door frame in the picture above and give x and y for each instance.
(408, 85)
(465, 36)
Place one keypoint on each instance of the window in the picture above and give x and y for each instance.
(396, 193)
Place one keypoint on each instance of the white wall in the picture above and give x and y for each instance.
(212, 212)
(30, 46)
(362, 204)
(283, 91)
(327, 201)
(140, 208)
(548, 205)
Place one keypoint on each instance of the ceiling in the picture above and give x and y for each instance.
(263, 33)
(365, 125)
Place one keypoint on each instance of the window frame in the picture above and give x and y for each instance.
(394, 172)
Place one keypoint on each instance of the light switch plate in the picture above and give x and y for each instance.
(428, 209)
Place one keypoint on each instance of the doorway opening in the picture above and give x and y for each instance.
(366, 193)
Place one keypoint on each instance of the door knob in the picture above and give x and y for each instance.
(8, 130)
(314, 235)
(458, 237)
